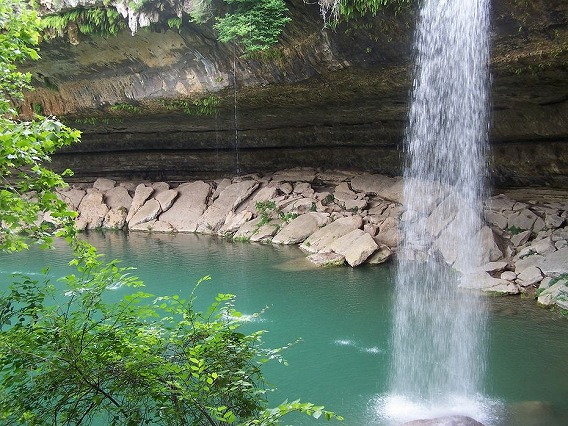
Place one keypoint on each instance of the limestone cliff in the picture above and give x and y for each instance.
(169, 104)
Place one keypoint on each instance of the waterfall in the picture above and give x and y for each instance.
(438, 331)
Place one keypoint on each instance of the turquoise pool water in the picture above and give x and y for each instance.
(343, 317)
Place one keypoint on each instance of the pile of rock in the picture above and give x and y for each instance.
(337, 218)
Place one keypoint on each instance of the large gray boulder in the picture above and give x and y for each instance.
(385, 187)
(92, 211)
(118, 197)
(300, 228)
(115, 218)
(327, 259)
(141, 194)
(356, 247)
(103, 184)
(188, 207)
(323, 237)
(166, 198)
(72, 197)
(229, 199)
(149, 211)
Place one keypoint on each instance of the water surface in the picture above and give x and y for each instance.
(343, 317)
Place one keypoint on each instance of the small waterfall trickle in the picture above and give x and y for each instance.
(235, 114)
(438, 332)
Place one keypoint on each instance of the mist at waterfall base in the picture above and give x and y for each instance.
(438, 359)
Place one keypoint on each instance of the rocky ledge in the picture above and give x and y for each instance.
(340, 218)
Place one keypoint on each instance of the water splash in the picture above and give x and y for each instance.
(438, 338)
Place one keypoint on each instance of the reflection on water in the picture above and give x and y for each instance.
(343, 317)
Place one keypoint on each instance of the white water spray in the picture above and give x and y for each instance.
(438, 338)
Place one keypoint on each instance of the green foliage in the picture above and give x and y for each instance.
(333, 11)
(68, 357)
(267, 211)
(100, 21)
(559, 278)
(352, 8)
(18, 36)
(175, 23)
(514, 230)
(256, 25)
(27, 187)
(197, 107)
(125, 107)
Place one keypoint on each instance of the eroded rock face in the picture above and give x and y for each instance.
(335, 99)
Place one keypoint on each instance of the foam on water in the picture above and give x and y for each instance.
(397, 409)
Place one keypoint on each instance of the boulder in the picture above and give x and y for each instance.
(442, 215)
(234, 221)
(149, 211)
(385, 187)
(129, 186)
(389, 233)
(356, 247)
(551, 295)
(115, 218)
(72, 197)
(523, 220)
(221, 185)
(118, 197)
(300, 228)
(488, 284)
(266, 232)
(153, 226)
(382, 255)
(92, 211)
(188, 207)
(520, 238)
(555, 263)
(553, 221)
(285, 188)
(508, 275)
(493, 267)
(166, 198)
(500, 203)
(265, 193)
(529, 276)
(141, 194)
(159, 187)
(490, 251)
(103, 184)
(301, 187)
(247, 229)
(255, 230)
(326, 259)
(496, 219)
(229, 199)
(331, 232)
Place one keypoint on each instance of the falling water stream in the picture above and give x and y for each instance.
(438, 332)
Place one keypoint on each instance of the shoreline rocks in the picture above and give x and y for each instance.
(343, 218)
